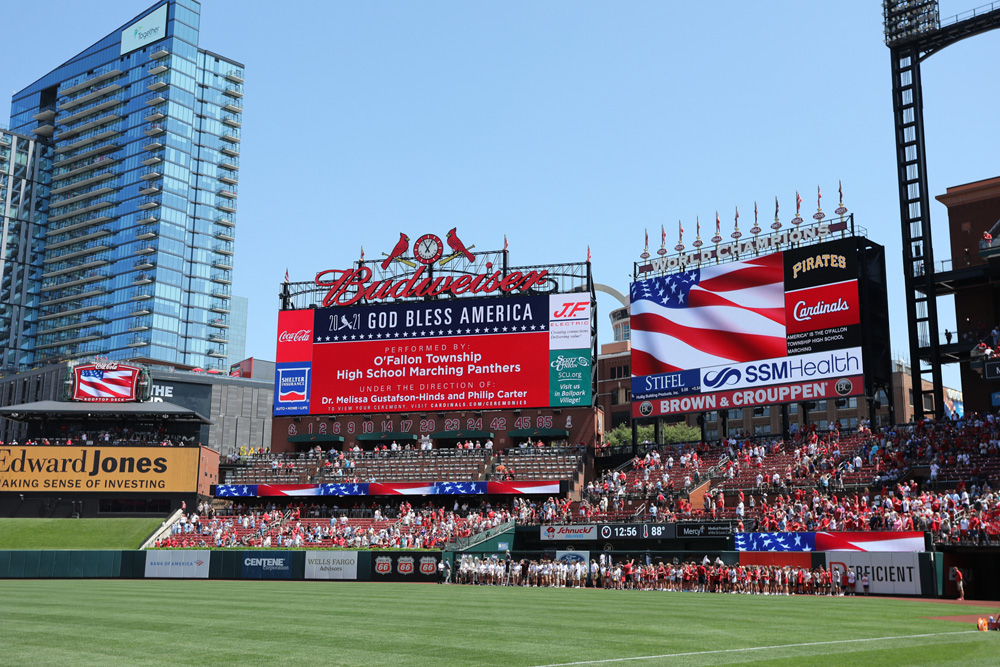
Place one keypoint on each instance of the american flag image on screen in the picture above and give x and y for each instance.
(95, 384)
(709, 316)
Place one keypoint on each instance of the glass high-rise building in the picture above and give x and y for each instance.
(25, 166)
(138, 228)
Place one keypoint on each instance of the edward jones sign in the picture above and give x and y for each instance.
(158, 469)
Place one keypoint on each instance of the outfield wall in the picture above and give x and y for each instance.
(400, 566)
(900, 574)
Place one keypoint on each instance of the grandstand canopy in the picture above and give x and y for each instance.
(41, 410)
(316, 437)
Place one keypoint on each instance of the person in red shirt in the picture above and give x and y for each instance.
(959, 582)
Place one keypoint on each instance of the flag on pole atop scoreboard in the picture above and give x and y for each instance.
(709, 316)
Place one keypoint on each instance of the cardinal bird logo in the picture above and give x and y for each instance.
(402, 247)
(456, 244)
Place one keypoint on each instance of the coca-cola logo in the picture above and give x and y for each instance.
(804, 312)
(300, 336)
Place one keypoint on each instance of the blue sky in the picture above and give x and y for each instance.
(559, 124)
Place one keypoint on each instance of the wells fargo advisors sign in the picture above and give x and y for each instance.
(104, 469)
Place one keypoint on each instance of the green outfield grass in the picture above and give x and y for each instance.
(75, 533)
(136, 622)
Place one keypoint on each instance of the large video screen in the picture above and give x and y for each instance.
(778, 328)
(510, 352)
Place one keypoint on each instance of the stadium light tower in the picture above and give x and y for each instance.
(914, 32)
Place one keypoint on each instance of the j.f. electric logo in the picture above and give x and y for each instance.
(789, 369)
(572, 309)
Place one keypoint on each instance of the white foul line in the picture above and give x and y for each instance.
(753, 648)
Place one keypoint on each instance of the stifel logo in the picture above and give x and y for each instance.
(383, 565)
(300, 336)
(405, 565)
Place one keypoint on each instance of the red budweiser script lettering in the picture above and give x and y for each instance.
(349, 286)
(302, 335)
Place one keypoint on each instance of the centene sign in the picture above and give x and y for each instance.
(798, 368)
(850, 385)
(588, 532)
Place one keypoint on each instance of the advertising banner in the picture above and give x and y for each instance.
(888, 573)
(405, 566)
(502, 353)
(267, 565)
(573, 557)
(570, 532)
(169, 564)
(105, 382)
(148, 29)
(569, 377)
(292, 381)
(704, 529)
(341, 565)
(772, 395)
(157, 469)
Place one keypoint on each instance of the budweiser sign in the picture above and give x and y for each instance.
(300, 336)
(349, 286)
(804, 312)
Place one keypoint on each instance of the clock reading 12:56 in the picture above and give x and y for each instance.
(428, 249)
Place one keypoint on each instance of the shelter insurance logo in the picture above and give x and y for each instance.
(383, 565)
(291, 391)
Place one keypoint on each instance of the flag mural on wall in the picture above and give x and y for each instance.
(709, 316)
(840, 541)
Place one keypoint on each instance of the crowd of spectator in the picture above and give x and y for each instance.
(625, 574)
(121, 436)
